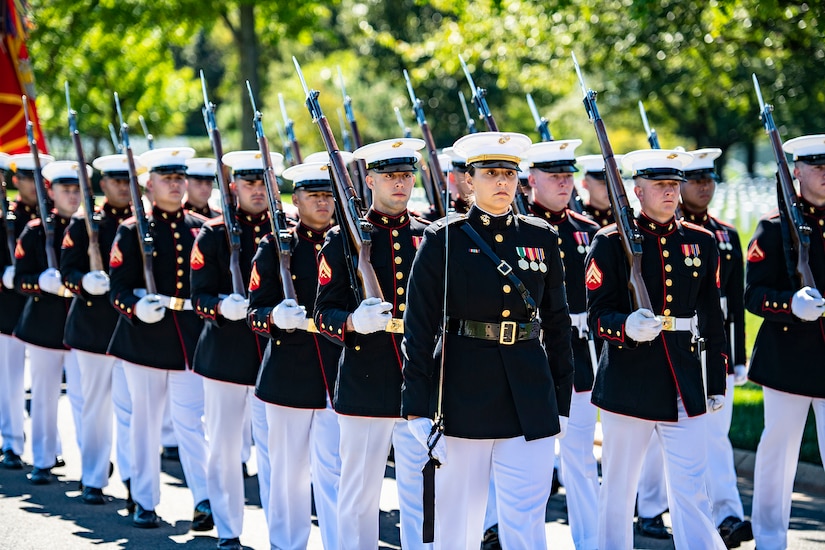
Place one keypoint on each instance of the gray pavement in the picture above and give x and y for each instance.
(53, 517)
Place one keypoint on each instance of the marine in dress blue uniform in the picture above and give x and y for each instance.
(598, 202)
(368, 387)
(200, 179)
(155, 338)
(652, 375)
(12, 350)
(508, 370)
(297, 376)
(786, 358)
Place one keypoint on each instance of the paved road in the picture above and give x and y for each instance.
(52, 516)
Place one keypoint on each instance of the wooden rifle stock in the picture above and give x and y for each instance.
(230, 218)
(145, 238)
(350, 205)
(277, 218)
(631, 237)
(789, 201)
(95, 260)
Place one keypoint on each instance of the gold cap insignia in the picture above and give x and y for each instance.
(397, 144)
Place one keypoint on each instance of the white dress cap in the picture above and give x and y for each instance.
(167, 160)
(310, 176)
(808, 149)
(64, 171)
(554, 156)
(493, 149)
(201, 167)
(116, 166)
(391, 155)
(445, 161)
(25, 162)
(657, 164)
(323, 156)
(251, 163)
(593, 165)
(702, 163)
(457, 160)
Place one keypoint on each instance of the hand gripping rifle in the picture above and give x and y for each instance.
(438, 189)
(360, 165)
(290, 133)
(40, 187)
(520, 203)
(350, 205)
(652, 136)
(277, 218)
(230, 218)
(147, 241)
(95, 260)
(631, 237)
(789, 208)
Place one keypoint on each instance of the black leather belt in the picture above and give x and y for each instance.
(507, 332)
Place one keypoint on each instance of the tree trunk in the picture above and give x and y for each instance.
(247, 42)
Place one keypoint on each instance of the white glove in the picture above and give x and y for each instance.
(288, 315)
(642, 325)
(715, 402)
(8, 277)
(562, 427)
(149, 309)
(421, 428)
(371, 316)
(96, 283)
(807, 304)
(740, 375)
(234, 307)
(50, 281)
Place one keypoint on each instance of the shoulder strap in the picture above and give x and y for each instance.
(505, 269)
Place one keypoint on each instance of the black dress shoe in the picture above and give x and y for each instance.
(145, 519)
(202, 518)
(40, 476)
(11, 460)
(652, 527)
(130, 504)
(245, 472)
(490, 540)
(230, 544)
(59, 462)
(735, 531)
(556, 483)
(92, 495)
(170, 453)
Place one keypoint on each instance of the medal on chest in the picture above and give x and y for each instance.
(531, 258)
(691, 253)
(582, 242)
(723, 238)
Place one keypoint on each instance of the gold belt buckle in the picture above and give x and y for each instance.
(668, 322)
(508, 333)
(311, 326)
(177, 303)
(396, 326)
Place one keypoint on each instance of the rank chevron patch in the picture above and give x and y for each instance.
(324, 272)
(196, 259)
(18, 251)
(755, 254)
(255, 278)
(593, 276)
(67, 241)
(115, 256)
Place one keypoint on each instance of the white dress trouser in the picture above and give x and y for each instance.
(148, 388)
(96, 416)
(580, 471)
(652, 490)
(167, 434)
(304, 445)
(721, 478)
(522, 474)
(47, 374)
(122, 402)
(75, 394)
(12, 394)
(365, 443)
(260, 433)
(776, 459)
(225, 406)
(684, 443)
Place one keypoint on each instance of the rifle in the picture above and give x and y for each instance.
(150, 139)
(652, 136)
(290, 133)
(631, 237)
(350, 205)
(360, 166)
(277, 218)
(405, 130)
(95, 260)
(115, 142)
(40, 187)
(471, 124)
(789, 205)
(542, 127)
(8, 219)
(147, 241)
(285, 145)
(230, 219)
(437, 183)
(345, 137)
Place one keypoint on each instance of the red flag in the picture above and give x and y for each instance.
(16, 79)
